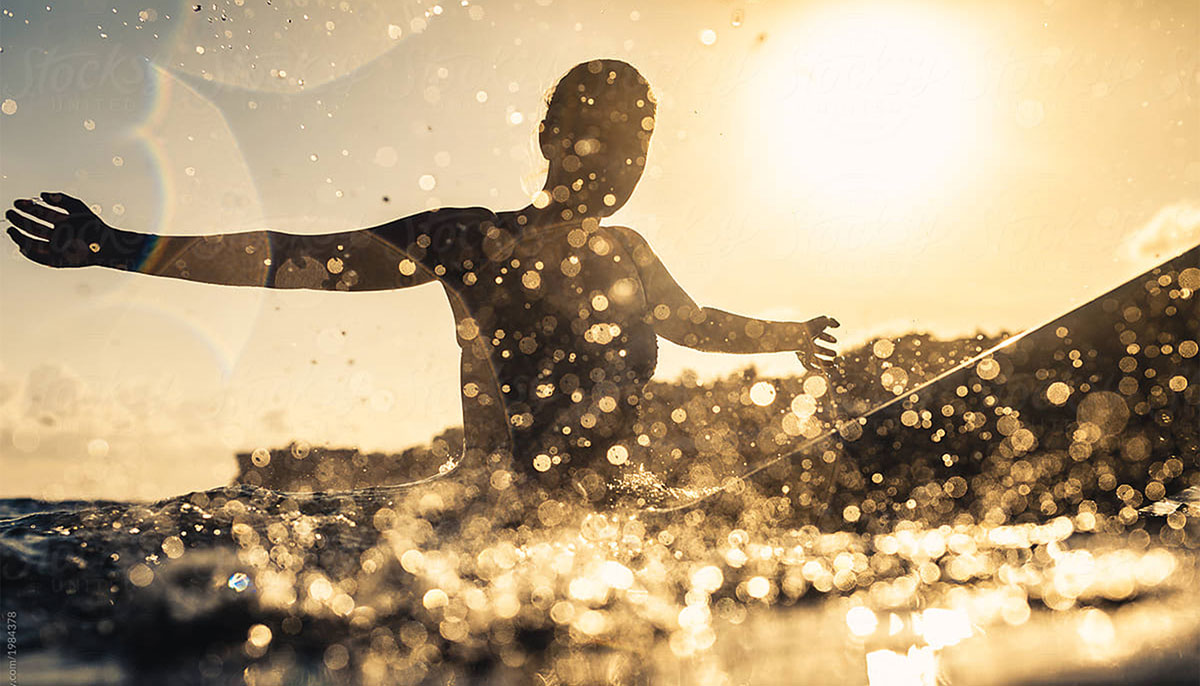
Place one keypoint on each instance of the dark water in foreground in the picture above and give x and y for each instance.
(428, 586)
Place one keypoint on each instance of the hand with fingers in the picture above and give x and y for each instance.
(62, 231)
(816, 351)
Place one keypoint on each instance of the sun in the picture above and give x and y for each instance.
(871, 103)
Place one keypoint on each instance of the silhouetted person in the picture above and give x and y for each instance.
(557, 316)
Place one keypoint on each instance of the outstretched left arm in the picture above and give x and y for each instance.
(680, 320)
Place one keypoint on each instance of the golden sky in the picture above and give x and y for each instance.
(939, 166)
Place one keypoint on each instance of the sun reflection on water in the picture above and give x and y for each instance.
(888, 661)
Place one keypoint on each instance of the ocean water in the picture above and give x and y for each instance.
(440, 584)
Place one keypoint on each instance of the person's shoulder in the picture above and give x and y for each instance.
(433, 234)
(626, 235)
(635, 243)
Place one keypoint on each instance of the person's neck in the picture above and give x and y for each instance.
(555, 213)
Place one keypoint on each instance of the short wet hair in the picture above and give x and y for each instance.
(603, 98)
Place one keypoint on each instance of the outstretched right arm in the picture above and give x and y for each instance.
(64, 232)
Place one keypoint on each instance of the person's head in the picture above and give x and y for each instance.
(596, 134)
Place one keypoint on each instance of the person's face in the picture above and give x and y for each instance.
(592, 166)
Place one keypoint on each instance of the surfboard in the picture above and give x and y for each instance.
(1101, 403)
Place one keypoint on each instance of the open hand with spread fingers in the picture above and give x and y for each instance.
(816, 351)
(62, 231)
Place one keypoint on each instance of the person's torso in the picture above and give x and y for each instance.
(562, 314)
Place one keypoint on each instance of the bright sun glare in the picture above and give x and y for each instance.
(872, 103)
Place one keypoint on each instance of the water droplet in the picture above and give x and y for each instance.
(238, 581)
(141, 575)
(762, 393)
(1058, 392)
(337, 657)
(9, 106)
(173, 547)
(758, 587)
(894, 379)
(259, 635)
(1190, 278)
(618, 454)
(816, 386)
(804, 406)
(261, 457)
(987, 369)
(883, 349)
